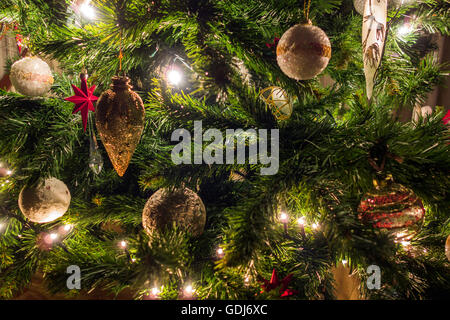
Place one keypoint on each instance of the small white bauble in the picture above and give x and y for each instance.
(47, 201)
(31, 76)
(359, 5)
(303, 51)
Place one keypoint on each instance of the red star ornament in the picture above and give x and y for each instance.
(83, 99)
(275, 283)
(446, 119)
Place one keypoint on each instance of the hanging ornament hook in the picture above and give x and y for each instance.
(121, 55)
(306, 11)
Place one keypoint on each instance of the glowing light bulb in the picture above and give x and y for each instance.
(404, 29)
(405, 243)
(220, 252)
(344, 262)
(284, 217)
(68, 227)
(123, 244)
(315, 226)
(301, 221)
(87, 11)
(155, 291)
(400, 235)
(53, 236)
(174, 77)
(188, 290)
(9, 172)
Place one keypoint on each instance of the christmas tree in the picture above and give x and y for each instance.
(210, 149)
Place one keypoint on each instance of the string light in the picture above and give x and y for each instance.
(123, 244)
(406, 243)
(9, 172)
(247, 280)
(53, 236)
(220, 252)
(188, 291)
(404, 29)
(315, 226)
(87, 10)
(344, 262)
(68, 227)
(407, 27)
(174, 76)
(284, 217)
(301, 221)
(154, 293)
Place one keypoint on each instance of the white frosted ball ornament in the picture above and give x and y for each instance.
(359, 5)
(31, 76)
(46, 202)
(180, 206)
(303, 51)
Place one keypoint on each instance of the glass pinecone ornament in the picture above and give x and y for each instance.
(393, 207)
(119, 119)
(181, 206)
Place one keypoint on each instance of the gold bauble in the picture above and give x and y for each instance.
(119, 119)
(278, 101)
